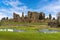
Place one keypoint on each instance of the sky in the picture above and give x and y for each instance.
(7, 7)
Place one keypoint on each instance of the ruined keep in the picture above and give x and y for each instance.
(33, 16)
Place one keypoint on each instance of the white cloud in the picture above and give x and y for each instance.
(9, 12)
(52, 8)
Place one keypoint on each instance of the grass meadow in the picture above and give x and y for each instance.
(30, 34)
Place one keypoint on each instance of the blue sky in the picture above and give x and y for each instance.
(7, 7)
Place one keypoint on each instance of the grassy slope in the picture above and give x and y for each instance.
(28, 36)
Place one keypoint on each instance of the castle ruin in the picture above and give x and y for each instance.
(31, 17)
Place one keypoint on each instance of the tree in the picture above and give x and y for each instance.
(53, 18)
(50, 16)
(6, 18)
(42, 15)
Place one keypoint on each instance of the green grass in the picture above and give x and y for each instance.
(28, 36)
(31, 33)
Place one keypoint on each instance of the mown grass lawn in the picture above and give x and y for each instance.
(29, 36)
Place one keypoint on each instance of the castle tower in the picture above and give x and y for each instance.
(16, 17)
(22, 16)
(29, 16)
